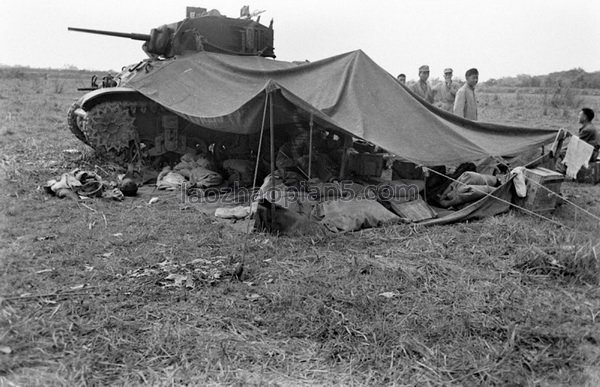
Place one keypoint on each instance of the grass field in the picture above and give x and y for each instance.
(125, 293)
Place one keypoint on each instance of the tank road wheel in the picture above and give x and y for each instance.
(75, 122)
(109, 128)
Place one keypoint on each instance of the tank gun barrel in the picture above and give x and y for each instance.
(134, 36)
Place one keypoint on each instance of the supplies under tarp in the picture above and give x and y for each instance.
(307, 217)
(169, 180)
(497, 202)
(79, 184)
(192, 171)
(352, 215)
(329, 216)
(240, 172)
(239, 212)
(469, 187)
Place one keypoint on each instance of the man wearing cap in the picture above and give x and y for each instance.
(402, 78)
(446, 91)
(422, 88)
(465, 104)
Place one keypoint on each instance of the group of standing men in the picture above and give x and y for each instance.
(460, 101)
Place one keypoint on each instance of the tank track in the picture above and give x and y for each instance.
(109, 127)
(74, 122)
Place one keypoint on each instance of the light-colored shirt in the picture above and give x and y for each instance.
(447, 95)
(423, 90)
(465, 104)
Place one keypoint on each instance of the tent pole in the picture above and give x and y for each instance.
(310, 146)
(347, 143)
(240, 268)
(272, 143)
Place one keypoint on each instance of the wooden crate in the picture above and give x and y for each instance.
(413, 211)
(543, 190)
(407, 170)
(365, 164)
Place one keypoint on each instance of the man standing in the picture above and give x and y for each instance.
(402, 79)
(422, 88)
(465, 104)
(447, 91)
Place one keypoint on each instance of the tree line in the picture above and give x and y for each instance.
(575, 78)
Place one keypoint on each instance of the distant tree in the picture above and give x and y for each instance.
(491, 82)
(573, 78)
(549, 81)
(595, 80)
(536, 81)
(579, 81)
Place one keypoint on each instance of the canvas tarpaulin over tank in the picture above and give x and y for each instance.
(349, 92)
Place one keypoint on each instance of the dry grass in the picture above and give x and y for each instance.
(541, 109)
(509, 300)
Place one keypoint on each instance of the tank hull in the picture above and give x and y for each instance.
(125, 126)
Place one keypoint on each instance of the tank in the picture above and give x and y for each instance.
(125, 126)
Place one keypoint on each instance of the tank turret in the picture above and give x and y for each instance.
(205, 33)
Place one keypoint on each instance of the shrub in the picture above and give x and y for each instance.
(518, 95)
(13, 73)
(566, 98)
(58, 87)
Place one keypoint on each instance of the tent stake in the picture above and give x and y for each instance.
(347, 143)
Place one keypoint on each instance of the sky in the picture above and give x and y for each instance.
(500, 38)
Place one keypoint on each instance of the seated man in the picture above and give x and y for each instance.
(588, 132)
(292, 159)
(287, 158)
